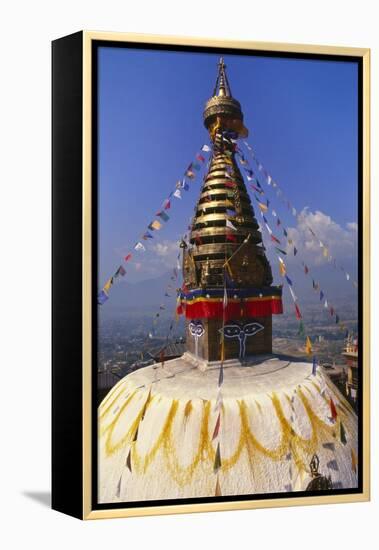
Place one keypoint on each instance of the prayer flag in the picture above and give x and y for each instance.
(306, 270)
(337, 319)
(129, 460)
(167, 204)
(288, 280)
(178, 194)
(200, 157)
(294, 297)
(354, 461)
(268, 228)
(326, 304)
(321, 295)
(298, 313)
(217, 427)
(206, 148)
(333, 410)
(218, 492)
(127, 257)
(102, 297)
(274, 239)
(147, 235)
(301, 329)
(108, 285)
(231, 237)
(342, 434)
(139, 246)
(221, 375)
(308, 346)
(282, 268)
(229, 224)
(230, 213)
(156, 225)
(225, 300)
(121, 271)
(217, 463)
(163, 215)
(196, 166)
(314, 366)
(294, 250)
(262, 206)
(230, 184)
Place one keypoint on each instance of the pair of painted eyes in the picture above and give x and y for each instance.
(231, 331)
(196, 330)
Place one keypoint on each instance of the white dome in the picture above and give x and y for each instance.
(156, 429)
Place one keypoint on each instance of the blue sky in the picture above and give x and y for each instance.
(302, 117)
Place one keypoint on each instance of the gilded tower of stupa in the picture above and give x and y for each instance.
(227, 278)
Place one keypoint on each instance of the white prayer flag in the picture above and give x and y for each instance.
(139, 246)
(206, 148)
(229, 224)
(178, 194)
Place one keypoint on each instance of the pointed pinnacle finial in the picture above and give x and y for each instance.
(222, 87)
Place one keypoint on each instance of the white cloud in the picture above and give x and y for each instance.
(341, 241)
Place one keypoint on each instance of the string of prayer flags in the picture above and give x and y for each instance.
(269, 180)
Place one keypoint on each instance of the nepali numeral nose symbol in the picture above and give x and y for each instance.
(235, 330)
(196, 330)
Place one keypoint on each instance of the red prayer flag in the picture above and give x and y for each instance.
(127, 257)
(275, 239)
(217, 427)
(298, 313)
(333, 409)
(231, 237)
(200, 158)
(306, 270)
(230, 184)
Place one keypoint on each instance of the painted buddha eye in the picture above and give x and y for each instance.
(252, 328)
(230, 331)
(199, 331)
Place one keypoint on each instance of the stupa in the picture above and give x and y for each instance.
(229, 417)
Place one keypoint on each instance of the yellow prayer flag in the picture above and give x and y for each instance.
(262, 206)
(282, 269)
(156, 224)
(108, 285)
(308, 346)
(325, 252)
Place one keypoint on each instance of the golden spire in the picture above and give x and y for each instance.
(222, 108)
